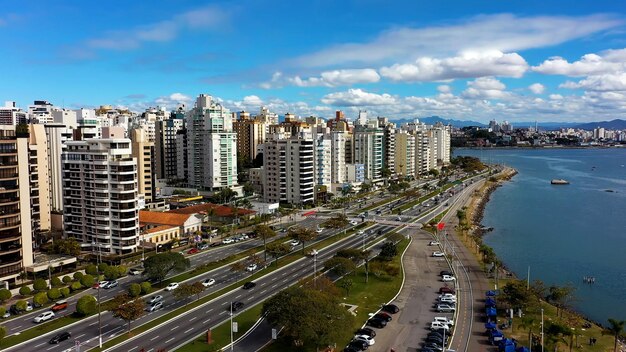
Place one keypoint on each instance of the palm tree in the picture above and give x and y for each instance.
(615, 328)
(529, 322)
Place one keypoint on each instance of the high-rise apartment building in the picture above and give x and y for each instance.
(368, 150)
(166, 154)
(440, 144)
(211, 146)
(56, 136)
(323, 161)
(289, 171)
(143, 151)
(250, 134)
(404, 153)
(41, 112)
(12, 115)
(389, 143)
(338, 157)
(100, 194)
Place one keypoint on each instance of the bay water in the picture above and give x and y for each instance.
(563, 232)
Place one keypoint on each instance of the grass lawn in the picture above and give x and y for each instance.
(367, 296)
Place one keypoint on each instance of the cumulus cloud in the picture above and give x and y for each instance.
(605, 82)
(252, 100)
(468, 64)
(537, 88)
(208, 17)
(172, 100)
(485, 88)
(326, 79)
(503, 32)
(357, 97)
(590, 64)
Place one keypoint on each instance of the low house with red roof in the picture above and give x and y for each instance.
(216, 212)
(162, 227)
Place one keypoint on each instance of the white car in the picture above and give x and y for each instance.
(134, 271)
(208, 282)
(447, 278)
(435, 325)
(444, 320)
(252, 267)
(29, 306)
(439, 254)
(45, 316)
(155, 299)
(433, 243)
(154, 306)
(370, 340)
(319, 230)
(295, 243)
(447, 300)
(172, 286)
(228, 241)
(361, 232)
(447, 295)
(353, 223)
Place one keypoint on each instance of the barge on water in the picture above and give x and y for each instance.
(559, 181)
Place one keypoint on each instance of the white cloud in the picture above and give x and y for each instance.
(326, 79)
(590, 64)
(485, 88)
(556, 97)
(172, 100)
(357, 97)
(503, 32)
(605, 82)
(252, 100)
(163, 31)
(444, 88)
(537, 88)
(468, 64)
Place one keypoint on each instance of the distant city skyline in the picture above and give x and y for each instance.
(515, 61)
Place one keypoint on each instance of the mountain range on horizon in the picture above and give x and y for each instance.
(616, 124)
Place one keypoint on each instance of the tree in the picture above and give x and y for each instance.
(5, 295)
(388, 251)
(65, 292)
(529, 322)
(308, 316)
(91, 269)
(78, 275)
(24, 290)
(339, 265)
(54, 294)
(3, 311)
(238, 267)
(66, 280)
(111, 273)
(87, 280)
(346, 284)
(20, 305)
(102, 267)
(560, 297)
(66, 246)
(40, 298)
(75, 286)
(184, 291)
(615, 328)
(264, 232)
(516, 294)
(146, 287)
(197, 289)
(277, 250)
(3, 331)
(321, 283)
(302, 234)
(248, 189)
(40, 285)
(56, 281)
(122, 270)
(127, 309)
(338, 221)
(158, 266)
(134, 290)
(224, 196)
(86, 305)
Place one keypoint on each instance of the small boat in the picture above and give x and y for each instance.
(559, 181)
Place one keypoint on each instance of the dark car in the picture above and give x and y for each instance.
(435, 339)
(391, 308)
(60, 337)
(235, 306)
(377, 323)
(433, 346)
(366, 331)
(215, 244)
(438, 334)
(248, 285)
(446, 289)
(383, 316)
(445, 272)
(360, 345)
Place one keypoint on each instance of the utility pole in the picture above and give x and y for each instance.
(232, 346)
(99, 317)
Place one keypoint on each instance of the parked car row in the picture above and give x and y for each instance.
(441, 326)
(364, 337)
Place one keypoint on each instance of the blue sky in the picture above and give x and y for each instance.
(478, 60)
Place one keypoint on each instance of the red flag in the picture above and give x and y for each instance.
(440, 226)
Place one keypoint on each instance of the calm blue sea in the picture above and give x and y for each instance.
(564, 232)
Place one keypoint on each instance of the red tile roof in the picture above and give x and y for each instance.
(159, 228)
(219, 210)
(163, 218)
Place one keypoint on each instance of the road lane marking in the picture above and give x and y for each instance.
(156, 337)
(174, 328)
(170, 340)
(209, 311)
(188, 330)
(192, 318)
(79, 336)
(206, 321)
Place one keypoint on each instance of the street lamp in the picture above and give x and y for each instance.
(142, 247)
(99, 316)
(314, 268)
(232, 346)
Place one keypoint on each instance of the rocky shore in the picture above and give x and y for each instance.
(483, 198)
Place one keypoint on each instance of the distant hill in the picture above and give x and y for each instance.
(616, 124)
(431, 120)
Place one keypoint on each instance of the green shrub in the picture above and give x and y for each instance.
(65, 292)
(146, 288)
(5, 295)
(122, 270)
(54, 294)
(111, 273)
(24, 290)
(67, 279)
(92, 269)
(75, 286)
(86, 305)
(134, 290)
(78, 275)
(40, 298)
(87, 280)
(40, 285)
(56, 281)
(102, 267)
(21, 305)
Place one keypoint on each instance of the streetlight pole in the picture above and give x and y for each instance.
(314, 269)
(142, 247)
(541, 329)
(232, 346)
(99, 320)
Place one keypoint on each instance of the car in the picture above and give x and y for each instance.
(252, 267)
(100, 284)
(45, 316)
(359, 344)
(444, 295)
(59, 305)
(436, 325)
(370, 340)
(193, 251)
(439, 254)
(154, 306)
(353, 222)
(439, 334)
(203, 246)
(208, 282)
(446, 272)
(110, 284)
(215, 244)
(6, 314)
(384, 316)
(447, 300)
(312, 253)
(435, 339)
(248, 285)
(319, 230)
(235, 306)
(172, 286)
(446, 289)
(60, 337)
(228, 241)
(294, 243)
(433, 346)
(155, 299)
(445, 308)
(433, 243)
(135, 271)
(361, 232)
(391, 308)
(444, 320)
(29, 306)
(366, 331)
(448, 278)
(377, 323)
(398, 218)
(351, 348)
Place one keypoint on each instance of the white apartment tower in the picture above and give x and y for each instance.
(338, 157)
(100, 195)
(211, 146)
(289, 171)
(323, 161)
(368, 150)
(404, 153)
